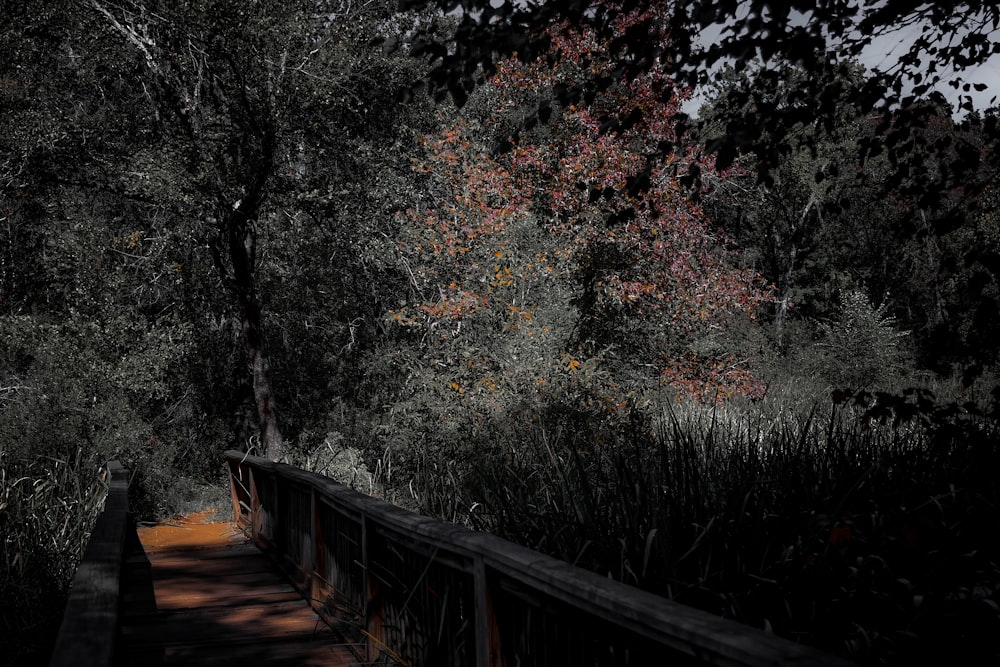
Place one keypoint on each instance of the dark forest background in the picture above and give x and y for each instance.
(481, 263)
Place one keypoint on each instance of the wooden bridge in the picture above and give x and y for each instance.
(311, 572)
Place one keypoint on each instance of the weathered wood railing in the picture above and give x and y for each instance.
(432, 593)
(90, 623)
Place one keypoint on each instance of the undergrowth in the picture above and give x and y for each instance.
(48, 507)
(47, 510)
(866, 527)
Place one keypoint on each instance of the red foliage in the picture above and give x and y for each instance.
(589, 204)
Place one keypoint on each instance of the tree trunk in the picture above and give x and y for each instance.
(252, 318)
(238, 227)
(267, 409)
(794, 240)
(783, 300)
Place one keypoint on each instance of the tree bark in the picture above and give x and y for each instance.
(785, 289)
(267, 408)
(238, 227)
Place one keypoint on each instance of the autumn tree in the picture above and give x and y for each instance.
(818, 37)
(576, 230)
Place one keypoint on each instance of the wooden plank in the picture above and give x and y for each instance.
(246, 559)
(222, 605)
(87, 634)
(234, 577)
(297, 651)
(228, 624)
(193, 595)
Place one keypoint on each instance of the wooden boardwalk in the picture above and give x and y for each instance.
(196, 593)
(404, 587)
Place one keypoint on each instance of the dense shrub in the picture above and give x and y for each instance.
(47, 509)
(865, 528)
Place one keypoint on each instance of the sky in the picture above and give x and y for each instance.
(884, 52)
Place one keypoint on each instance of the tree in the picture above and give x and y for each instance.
(785, 119)
(232, 131)
(214, 87)
(863, 344)
(819, 37)
(821, 221)
(578, 230)
(825, 226)
(792, 31)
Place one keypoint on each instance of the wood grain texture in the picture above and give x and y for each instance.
(223, 603)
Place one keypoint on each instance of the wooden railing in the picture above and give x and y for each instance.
(428, 592)
(90, 623)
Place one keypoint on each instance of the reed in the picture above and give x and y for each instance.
(47, 509)
(867, 528)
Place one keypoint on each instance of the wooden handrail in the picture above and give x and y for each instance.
(432, 593)
(90, 623)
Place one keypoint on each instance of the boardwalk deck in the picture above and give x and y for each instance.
(197, 593)
(401, 585)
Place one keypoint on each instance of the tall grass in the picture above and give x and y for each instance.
(47, 510)
(868, 529)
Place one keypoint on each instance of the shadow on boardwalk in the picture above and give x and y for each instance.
(197, 593)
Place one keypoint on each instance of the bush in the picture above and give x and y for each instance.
(47, 509)
(863, 347)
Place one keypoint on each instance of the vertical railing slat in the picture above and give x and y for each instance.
(487, 634)
(317, 587)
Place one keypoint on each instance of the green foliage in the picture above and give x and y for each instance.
(823, 224)
(102, 362)
(953, 280)
(863, 345)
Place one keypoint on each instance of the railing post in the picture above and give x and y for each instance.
(313, 532)
(486, 631)
(373, 603)
(235, 468)
(277, 524)
(317, 547)
(277, 536)
(254, 505)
